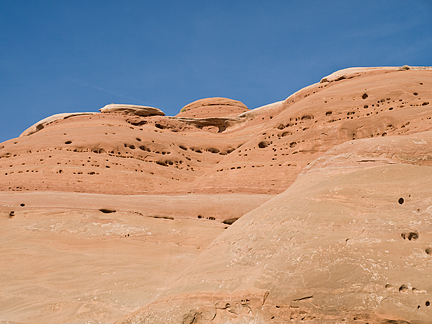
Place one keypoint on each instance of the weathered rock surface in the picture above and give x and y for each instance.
(316, 209)
(42, 123)
(213, 107)
(143, 111)
(259, 152)
(342, 244)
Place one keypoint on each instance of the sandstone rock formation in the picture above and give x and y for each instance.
(345, 243)
(213, 107)
(316, 209)
(42, 123)
(143, 111)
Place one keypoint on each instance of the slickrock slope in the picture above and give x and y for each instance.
(92, 258)
(349, 242)
(313, 209)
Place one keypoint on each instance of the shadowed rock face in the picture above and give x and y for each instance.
(316, 209)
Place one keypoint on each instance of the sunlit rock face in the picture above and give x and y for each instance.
(213, 107)
(314, 209)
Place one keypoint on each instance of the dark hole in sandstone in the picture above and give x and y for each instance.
(163, 217)
(401, 201)
(403, 288)
(68, 142)
(22, 205)
(107, 210)
(142, 147)
(263, 144)
(212, 218)
(162, 163)
(213, 150)
(427, 303)
(410, 236)
(230, 221)
(415, 93)
(12, 214)
(365, 95)
(428, 251)
(137, 123)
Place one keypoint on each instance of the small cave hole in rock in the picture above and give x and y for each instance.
(428, 250)
(230, 221)
(263, 144)
(410, 236)
(403, 288)
(107, 210)
(22, 205)
(12, 214)
(427, 303)
(365, 95)
(68, 142)
(401, 201)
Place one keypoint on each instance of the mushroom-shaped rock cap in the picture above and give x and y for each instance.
(213, 107)
(132, 110)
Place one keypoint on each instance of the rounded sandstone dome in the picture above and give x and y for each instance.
(213, 107)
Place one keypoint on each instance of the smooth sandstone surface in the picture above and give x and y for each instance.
(315, 209)
(338, 246)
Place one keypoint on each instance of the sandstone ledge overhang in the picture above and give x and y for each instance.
(143, 111)
(220, 122)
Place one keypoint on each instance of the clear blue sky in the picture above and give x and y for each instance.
(69, 56)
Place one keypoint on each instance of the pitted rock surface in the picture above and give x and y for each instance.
(316, 209)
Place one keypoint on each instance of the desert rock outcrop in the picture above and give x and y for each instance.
(257, 152)
(349, 241)
(213, 107)
(143, 111)
(315, 209)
